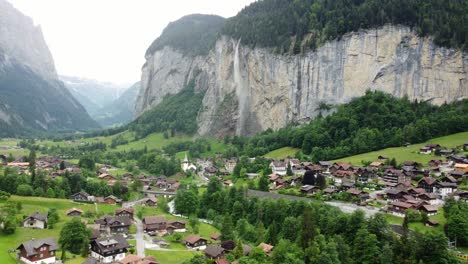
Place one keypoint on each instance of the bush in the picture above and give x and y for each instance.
(24, 190)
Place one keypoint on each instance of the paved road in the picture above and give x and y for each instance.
(350, 208)
(140, 238)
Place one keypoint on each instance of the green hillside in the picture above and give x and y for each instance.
(410, 153)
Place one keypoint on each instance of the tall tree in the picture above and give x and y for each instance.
(74, 237)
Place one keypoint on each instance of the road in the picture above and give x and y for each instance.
(350, 208)
(140, 238)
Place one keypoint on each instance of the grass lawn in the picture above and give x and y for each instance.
(418, 226)
(172, 257)
(409, 153)
(282, 153)
(42, 205)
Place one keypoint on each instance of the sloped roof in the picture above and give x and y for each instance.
(149, 220)
(31, 245)
(214, 251)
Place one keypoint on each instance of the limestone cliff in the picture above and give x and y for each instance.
(250, 90)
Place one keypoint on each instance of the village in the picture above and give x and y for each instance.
(395, 189)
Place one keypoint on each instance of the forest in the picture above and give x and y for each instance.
(309, 232)
(294, 26)
(374, 121)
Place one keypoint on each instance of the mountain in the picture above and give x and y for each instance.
(32, 98)
(278, 63)
(120, 111)
(92, 94)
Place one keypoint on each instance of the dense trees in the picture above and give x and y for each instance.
(305, 232)
(374, 121)
(293, 26)
(176, 112)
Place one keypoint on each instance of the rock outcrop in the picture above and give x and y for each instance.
(249, 90)
(32, 98)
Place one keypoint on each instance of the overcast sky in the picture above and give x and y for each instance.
(107, 39)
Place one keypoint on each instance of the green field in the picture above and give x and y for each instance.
(410, 153)
(42, 205)
(282, 153)
(173, 256)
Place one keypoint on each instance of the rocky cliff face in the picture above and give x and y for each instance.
(250, 90)
(32, 98)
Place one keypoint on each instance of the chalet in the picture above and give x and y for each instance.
(230, 164)
(111, 199)
(107, 177)
(109, 250)
(125, 212)
(376, 164)
(38, 251)
(154, 223)
(341, 166)
(281, 183)
(461, 167)
(416, 191)
(195, 242)
(266, 247)
(399, 208)
(347, 185)
(425, 150)
(428, 209)
(446, 152)
(330, 191)
(459, 175)
(445, 188)
(394, 194)
(113, 224)
(273, 177)
(428, 184)
(214, 252)
(210, 171)
(366, 174)
(433, 147)
(394, 176)
(461, 196)
(457, 158)
(177, 225)
(173, 186)
(95, 234)
(309, 189)
(429, 198)
(434, 163)
(215, 236)
(81, 196)
(36, 220)
(150, 201)
(358, 194)
(325, 164)
(279, 167)
(74, 212)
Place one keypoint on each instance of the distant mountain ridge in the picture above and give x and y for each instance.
(32, 98)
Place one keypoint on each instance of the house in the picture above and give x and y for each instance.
(325, 165)
(214, 251)
(195, 242)
(358, 194)
(222, 261)
(433, 147)
(430, 198)
(125, 212)
(154, 223)
(445, 188)
(376, 164)
(80, 196)
(111, 199)
(273, 177)
(74, 212)
(252, 176)
(309, 189)
(107, 177)
(461, 167)
(150, 201)
(38, 251)
(330, 191)
(113, 224)
(446, 152)
(215, 236)
(230, 164)
(228, 183)
(177, 225)
(134, 259)
(399, 208)
(210, 171)
(427, 183)
(428, 209)
(425, 150)
(279, 167)
(35, 220)
(266, 247)
(395, 176)
(109, 250)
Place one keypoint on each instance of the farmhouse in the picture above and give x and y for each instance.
(154, 223)
(109, 250)
(125, 212)
(35, 220)
(81, 196)
(112, 224)
(214, 251)
(111, 199)
(74, 212)
(38, 251)
(195, 242)
(278, 167)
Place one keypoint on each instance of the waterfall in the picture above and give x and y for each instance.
(241, 92)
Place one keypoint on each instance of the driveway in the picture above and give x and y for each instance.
(140, 238)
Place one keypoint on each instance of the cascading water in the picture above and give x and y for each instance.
(241, 92)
